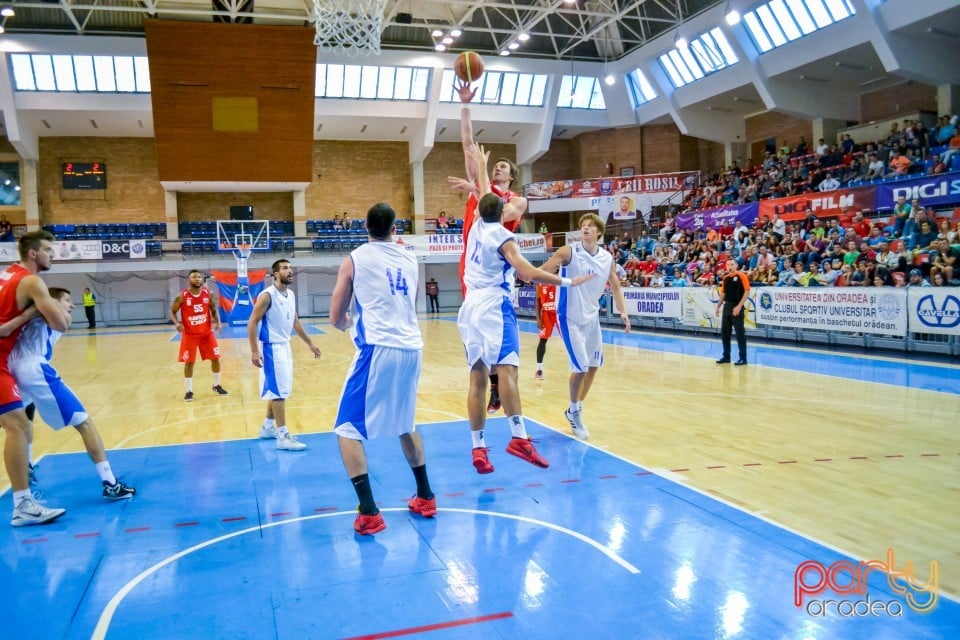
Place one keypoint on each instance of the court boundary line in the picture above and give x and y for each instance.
(106, 616)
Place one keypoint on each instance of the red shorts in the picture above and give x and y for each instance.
(9, 393)
(207, 343)
(549, 320)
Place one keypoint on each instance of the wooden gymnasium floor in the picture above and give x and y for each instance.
(801, 455)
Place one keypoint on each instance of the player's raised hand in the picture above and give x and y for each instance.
(460, 185)
(462, 87)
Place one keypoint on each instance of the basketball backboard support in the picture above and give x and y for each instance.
(243, 237)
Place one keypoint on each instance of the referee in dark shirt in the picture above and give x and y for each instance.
(733, 299)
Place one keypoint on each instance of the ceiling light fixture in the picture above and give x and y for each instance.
(447, 41)
(679, 41)
(439, 47)
(456, 33)
(504, 52)
(523, 36)
(733, 17)
(610, 80)
(513, 46)
(436, 33)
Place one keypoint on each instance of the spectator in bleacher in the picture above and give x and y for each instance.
(851, 254)
(791, 278)
(953, 148)
(832, 158)
(937, 280)
(829, 274)
(901, 213)
(829, 183)
(801, 149)
(937, 166)
(916, 279)
(812, 277)
(923, 238)
(442, 225)
(887, 258)
(347, 222)
(337, 223)
(644, 244)
(6, 230)
(679, 278)
(945, 259)
(875, 169)
(847, 144)
(947, 232)
(875, 237)
(846, 276)
(899, 165)
(778, 227)
(822, 148)
(861, 226)
(946, 130)
(813, 249)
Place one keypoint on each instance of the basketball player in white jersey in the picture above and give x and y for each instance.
(272, 322)
(375, 297)
(578, 311)
(40, 384)
(488, 323)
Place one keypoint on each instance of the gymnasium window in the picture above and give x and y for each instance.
(641, 91)
(778, 22)
(580, 92)
(371, 82)
(80, 73)
(500, 87)
(706, 54)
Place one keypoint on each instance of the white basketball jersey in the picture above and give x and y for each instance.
(383, 310)
(35, 342)
(582, 303)
(485, 267)
(277, 323)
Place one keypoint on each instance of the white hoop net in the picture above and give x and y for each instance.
(350, 26)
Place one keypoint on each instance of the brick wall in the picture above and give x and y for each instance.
(889, 102)
(786, 129)
(133, 192)
(216, 206)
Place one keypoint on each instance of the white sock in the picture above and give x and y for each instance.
(268, 423)
(282, 432)
(539, 366)
(106, 473)
(478, 440)
(574, 407)
(216, 379)
(189, 382)
(20, 496)
(30, 454)
(517, 428)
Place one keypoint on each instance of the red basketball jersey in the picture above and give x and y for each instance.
(548, 296)
(468, 215)
(9, 279)
(195, 312)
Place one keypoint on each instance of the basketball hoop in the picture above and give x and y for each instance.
(349, 26)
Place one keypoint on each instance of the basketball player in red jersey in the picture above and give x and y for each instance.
(20, 287)
(546, 307)
(199, 320)
(502, 177)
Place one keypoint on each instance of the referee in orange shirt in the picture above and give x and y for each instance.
(733, 299)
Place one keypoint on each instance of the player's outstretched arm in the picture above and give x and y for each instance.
(560, 258)
(466, 130)
(342, 293)
(514, 208)
(530, 273)
(12, 325)
(259, 308)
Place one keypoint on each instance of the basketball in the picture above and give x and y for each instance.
(468, 66)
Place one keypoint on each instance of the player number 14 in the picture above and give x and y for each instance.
(398, 284)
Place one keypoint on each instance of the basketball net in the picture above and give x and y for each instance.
(349, 26)
(242, 253)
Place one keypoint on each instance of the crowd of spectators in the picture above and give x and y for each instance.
(908, 150)
(912, 247)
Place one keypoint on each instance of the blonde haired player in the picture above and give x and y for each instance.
(578, 311)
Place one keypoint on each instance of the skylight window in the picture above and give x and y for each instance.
(501, 88)
(80, 73)
(778, 22)
(370, 82)
(706, 54)
(641, 91)
(580, 92)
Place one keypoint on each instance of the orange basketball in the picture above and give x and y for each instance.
(468, 66)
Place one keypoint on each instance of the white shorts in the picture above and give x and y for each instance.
(583, 341)
(380, 394)
(56, 403)
(276, 374)
(488, 328)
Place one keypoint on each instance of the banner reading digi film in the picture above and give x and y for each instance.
(666, 183)
(934, 309)
(719, 216)
(823, 205)
(880, 310)
(451, 244)
(932, 191)
(656, 303)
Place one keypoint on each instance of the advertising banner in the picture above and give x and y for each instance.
(700, 307)
(123, 249)
(933, 191)
(719, 216)
(77, 250)
(8, 252)
(526, 298)
(876, 310)
(451, 244)
(823, 205)
(667, 183)
(656, 303)
(934, 309)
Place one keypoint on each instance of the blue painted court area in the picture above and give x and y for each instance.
(237, 540)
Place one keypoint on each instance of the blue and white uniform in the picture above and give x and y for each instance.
(487, 320)
(39, 382)
(274, 331)
(380, 394)
(578, 308)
